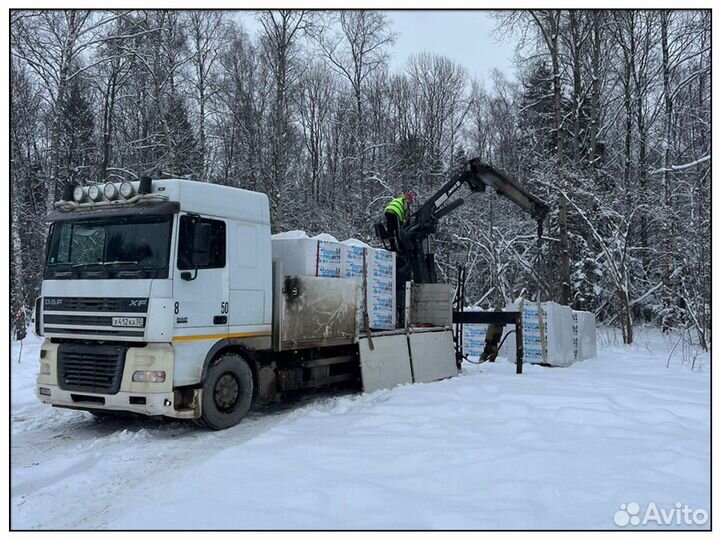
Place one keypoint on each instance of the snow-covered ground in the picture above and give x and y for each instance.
(552, 448)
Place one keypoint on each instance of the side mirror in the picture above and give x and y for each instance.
(201, 245)
(200, 255)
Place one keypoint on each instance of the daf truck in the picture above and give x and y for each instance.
(162, 298)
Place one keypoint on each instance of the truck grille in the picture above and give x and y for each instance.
(91, 320)
(66, 303)
(91, 368)
(67, 316)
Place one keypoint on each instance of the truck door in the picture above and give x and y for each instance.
(201, 291)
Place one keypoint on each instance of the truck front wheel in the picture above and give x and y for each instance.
(227, 392)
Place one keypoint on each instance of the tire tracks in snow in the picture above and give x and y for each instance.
(89, 463)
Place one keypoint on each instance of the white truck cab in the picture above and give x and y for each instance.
(125, 310)
(160, 297)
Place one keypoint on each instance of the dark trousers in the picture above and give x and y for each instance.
(392, 225)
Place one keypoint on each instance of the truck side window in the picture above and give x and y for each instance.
(217, 242)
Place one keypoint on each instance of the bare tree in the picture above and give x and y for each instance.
(207, 31)
(316, 95)
(547, 24)
(281, 31)
(442, 86)
(355, 52)
(51, 44)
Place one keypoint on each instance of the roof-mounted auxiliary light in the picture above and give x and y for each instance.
(145, 185)
(94, 193)
(78, 194)
(110, 191)
(126, 190)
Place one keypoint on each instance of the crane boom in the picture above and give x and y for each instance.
(415, 261)
(479, 176)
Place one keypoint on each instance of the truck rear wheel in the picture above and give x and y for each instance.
(227, 392)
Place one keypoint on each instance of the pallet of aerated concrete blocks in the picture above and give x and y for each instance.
(555, 335)
(324, 256)
(567, 336)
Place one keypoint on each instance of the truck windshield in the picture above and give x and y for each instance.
(101, 248)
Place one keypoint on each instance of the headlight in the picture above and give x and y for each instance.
(94, 193)
(44, 368)
(78, 194)
(126, 190)
(149, 376)
(110, 191)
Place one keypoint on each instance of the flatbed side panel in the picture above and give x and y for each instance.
(387, 364)
(316, 312)
(431, 304)
(433, 356)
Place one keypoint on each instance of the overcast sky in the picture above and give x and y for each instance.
(466, 37)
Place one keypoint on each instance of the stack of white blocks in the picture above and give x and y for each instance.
(322, 258)
(584, 334)
(567, 336)
(380, 282)
(474, 339)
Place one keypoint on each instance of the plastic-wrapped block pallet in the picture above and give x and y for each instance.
(584, 335)
(532, 339)
(588, 335)
(381, 288)
(380, 282)
(323, 258)
(308, 257)
(352, 264)
(473, 338)
(554, 346)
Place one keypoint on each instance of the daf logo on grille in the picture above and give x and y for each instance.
(137, 302)
(53, 301)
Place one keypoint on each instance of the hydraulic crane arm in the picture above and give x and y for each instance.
(415, 261)
(478, 176)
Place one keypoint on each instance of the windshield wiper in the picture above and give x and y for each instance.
(103, 266)
(59, 267)
(112, 263)
(105, 263)
(136, 266)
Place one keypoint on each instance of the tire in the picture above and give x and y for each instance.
(227, 392)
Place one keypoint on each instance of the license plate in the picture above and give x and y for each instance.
(135, 322)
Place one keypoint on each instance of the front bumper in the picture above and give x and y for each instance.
(151, 399)
(154, 404)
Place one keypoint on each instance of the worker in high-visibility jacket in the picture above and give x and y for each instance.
(395, 214)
